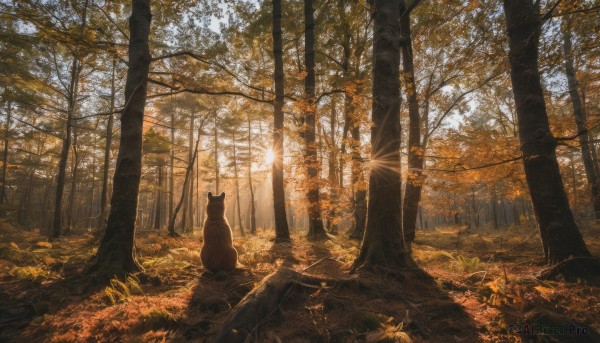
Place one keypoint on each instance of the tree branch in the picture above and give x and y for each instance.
(183, 89)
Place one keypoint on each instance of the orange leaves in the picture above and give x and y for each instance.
(305, 106)
(473, 5)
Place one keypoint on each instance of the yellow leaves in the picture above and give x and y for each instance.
(29, 273)
(545, 292)
(91, 35)
(408, 86)
(417, 150)
(415, 178)
(48, 260)
(569, 6)
(42, 245)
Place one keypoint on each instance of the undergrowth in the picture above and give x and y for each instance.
(156, 319)
(471, 266)
(120, 291)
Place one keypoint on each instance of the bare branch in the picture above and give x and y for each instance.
(183, 89)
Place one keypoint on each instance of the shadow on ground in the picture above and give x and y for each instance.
(367, 306)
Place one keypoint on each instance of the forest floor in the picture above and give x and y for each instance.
(473, 284)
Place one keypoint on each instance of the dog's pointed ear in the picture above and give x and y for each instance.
(210, 195)
(222, 195)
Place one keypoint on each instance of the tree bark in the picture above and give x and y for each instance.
(516, 216)
(109, 136)
(580, 118)
(316, 229)
(64, 154)
(190, 194)
(250, 185)
(414, 177)
(333, 174)
(92, 202)
(172, 170)
(5, 159)
(199, 212)
(188, 173)
(116, 253)
(560, 235)
(493, 207)
(383, 242)
(159, 199)
(237, 186)
(216, 153)
(358, 181)
(73, 188)
(282, 232)
(187, 217)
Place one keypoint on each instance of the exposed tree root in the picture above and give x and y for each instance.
(264, 301)
(574, 269)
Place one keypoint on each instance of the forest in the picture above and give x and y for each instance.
(300, 171)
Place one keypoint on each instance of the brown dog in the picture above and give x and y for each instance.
(218, 253)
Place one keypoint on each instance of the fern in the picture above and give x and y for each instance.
(468, 265)
(120, 291)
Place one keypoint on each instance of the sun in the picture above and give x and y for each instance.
(269, 156)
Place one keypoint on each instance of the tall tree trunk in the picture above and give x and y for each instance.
(560, 235)
(414, 177)
(190, 193)
(353, 75)
(159, 199)
(574, 203)
(199, 218)
(90, 212)
(580, 118)
(24, 201)
(250, 185)
(237, 186)
(5, 159)
(383, 242)
(516, 216)
(504, 215)
(359, 185)
(64, 154)
(346, 48)
(188, 172)
(172, 170)
(116, 253)
(493, 206)
(74, 175)
(44, 205)
(216, 153)
(332, 174)
(316, 229)
(107, 147)
(282, 232)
